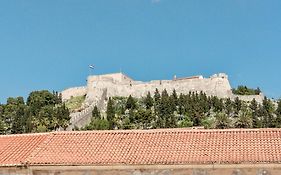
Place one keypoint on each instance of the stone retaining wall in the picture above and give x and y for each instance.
(159, 170)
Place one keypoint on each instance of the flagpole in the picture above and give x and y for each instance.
(91, 67)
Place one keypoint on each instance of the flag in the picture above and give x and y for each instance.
(91, 66)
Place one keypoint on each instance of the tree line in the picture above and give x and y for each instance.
(162, 110)
(43, 111)
(244, 90)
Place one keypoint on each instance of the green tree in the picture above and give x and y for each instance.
(255, 118)
(278, 114)
(127, 124)
(157, 98)
(37, 99)
(148, 101)
(181, 104)
(244, 118)
(186, 122)
(3, 127)
(14, 115)
(96, 113)
(175, 97)
(172, 103)
(222, 121)
(257, 91)
(268, 111)
(131, 103)
(244, 90)
(165, 109)
(110, 113)
(228, 106)
(237, 104)
(46, 119)
(203, 102)
(217, 104)
(62, 116)
(98, 124)
(143, 118)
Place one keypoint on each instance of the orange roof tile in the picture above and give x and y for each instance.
(15, 149)
(143, 147)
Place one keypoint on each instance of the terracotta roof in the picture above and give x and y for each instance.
(15, 149)
(143, 147)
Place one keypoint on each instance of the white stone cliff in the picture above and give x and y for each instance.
(99, 87)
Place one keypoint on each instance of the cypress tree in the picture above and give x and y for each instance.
(237, 104)
(228, 106)
(131, 103)
(175, 97)
(148, 101)
(278, 114)
(110, 113)
(254, 108)
(268, 113)
(181, 103)
(96, 113)
(157, 98)
(165, 108)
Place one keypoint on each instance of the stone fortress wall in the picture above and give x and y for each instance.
(121, 85)
(100, 87)
(73, 92)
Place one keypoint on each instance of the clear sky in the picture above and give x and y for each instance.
(48, 44)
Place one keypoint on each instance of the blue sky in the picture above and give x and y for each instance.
(48, 44)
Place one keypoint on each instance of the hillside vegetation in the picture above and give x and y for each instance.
(43, 111)
(75, 103)
(244, 90)
(162, 110)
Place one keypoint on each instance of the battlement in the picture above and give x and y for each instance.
(113, 77)
(188, 78)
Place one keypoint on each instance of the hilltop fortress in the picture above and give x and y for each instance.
(100, 87)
